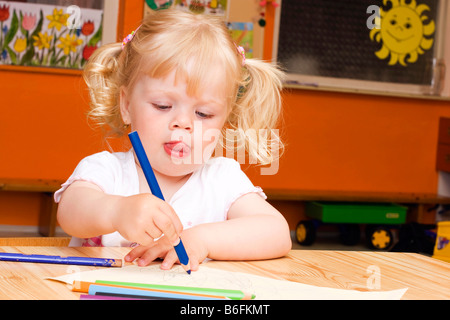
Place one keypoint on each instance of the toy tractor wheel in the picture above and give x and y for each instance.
(379, 238)
(305, 233)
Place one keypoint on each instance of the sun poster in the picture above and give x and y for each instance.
(340, 40)
(48, 35)
(405, 31)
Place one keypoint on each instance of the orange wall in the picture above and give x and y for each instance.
(335, 141)
(43, 127)
(340, 141)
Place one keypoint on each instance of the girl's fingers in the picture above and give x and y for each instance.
(194, 264)
(135, 253)
(172, 215)
(148, 257)
(163, 224)
(170, 259)
(146, 239)
(147, 254)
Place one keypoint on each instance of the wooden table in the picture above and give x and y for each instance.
(425, 278)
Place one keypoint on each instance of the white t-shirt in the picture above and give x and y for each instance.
(206, 197)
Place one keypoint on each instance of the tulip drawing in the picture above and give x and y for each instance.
(29, 22)
(4, 15)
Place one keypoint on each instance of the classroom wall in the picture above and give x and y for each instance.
(338, 141)
(44, 131)
(335, 141)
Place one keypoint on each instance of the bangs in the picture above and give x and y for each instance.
(196, 64)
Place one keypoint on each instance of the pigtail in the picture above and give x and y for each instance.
(102, 79)
(257, 111)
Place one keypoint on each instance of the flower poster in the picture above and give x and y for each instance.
(48, 35)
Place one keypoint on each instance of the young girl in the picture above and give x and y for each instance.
(181, 83)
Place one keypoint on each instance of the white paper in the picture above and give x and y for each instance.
(264, 288)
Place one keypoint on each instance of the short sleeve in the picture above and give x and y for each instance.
(230, 181)
(100, 169)
(236, 183)
(210, 192)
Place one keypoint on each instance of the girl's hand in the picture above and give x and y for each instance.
(193, 242)
(142, 218)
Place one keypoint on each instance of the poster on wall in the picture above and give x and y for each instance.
(33, 34)
(242, 34)
(211, 7)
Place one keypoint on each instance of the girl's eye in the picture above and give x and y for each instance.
(161, 107)
(203, 115)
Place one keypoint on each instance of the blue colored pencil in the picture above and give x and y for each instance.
(156, 191)
(82, 261)
(138, 293)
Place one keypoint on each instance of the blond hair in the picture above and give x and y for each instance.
(166, 41)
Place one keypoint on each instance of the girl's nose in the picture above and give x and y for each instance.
(182, 121)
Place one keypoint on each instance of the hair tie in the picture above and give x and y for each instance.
(129, 37)
(241, 51)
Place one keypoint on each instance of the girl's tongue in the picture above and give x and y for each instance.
(177, 149)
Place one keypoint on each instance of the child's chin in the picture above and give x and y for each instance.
(180, 168)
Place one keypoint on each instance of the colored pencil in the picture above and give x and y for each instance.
(156, 191)
(81, 286)
(82, 261)
(99, 297)
(95, 289)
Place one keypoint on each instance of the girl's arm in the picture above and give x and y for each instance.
(85, 211)
(254, 230)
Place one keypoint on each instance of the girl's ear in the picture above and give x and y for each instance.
(124, 106)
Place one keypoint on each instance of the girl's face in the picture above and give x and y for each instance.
(179, 132)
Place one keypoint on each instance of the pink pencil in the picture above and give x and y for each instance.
(99, 297)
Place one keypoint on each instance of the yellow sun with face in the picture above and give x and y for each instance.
(403, 31)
